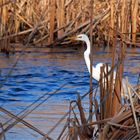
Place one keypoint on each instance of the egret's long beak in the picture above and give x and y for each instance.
(73, 38)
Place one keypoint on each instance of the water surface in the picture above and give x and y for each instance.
(38, 74)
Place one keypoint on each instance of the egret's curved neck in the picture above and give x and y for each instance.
(88, 47)
(86, 54)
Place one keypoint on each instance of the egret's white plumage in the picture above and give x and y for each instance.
(97, 68)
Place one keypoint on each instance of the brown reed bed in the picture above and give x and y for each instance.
(54, 20)
(124, 124)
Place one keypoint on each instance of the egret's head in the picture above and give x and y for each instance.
(81, 37)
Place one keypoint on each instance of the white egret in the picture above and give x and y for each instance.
(97, 69)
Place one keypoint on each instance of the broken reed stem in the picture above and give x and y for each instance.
(3, 136)
(24, 122)
(120, 126)
(133, 109)
(63, 130)
(103, 121)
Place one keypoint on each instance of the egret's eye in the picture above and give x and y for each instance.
(80, 37)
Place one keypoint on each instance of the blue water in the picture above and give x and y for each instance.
(37, 74)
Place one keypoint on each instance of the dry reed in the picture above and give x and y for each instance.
(124, 124)
(59, 19)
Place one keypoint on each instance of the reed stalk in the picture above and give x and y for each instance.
(60, 16)
(134, 13)
(91, 60)
(52, 20)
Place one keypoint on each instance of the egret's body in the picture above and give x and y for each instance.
(97, 69)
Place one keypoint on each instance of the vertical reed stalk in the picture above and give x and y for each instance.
(134, 13)
(52, 20)
(115, 105)
(91, 60)
(60, 17)
(101, 95)
(112, 17)
(107, 95)
(123, 16)
(4, 18)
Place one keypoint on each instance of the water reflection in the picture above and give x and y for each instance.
(40, 73)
